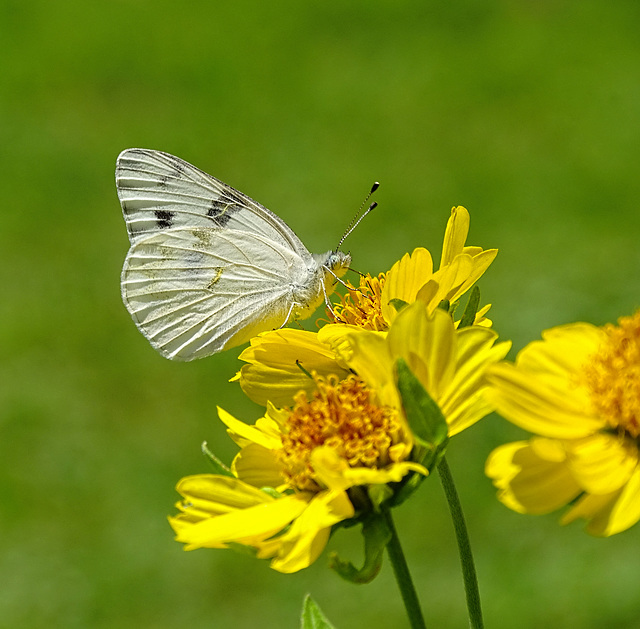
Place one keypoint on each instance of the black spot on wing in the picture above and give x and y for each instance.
(164, 218)
(224, 207)
(217, 213)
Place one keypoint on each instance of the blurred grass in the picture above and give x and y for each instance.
(527, 113)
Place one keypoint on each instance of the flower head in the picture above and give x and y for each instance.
(578, 390)
(373, 306)
(311, 457)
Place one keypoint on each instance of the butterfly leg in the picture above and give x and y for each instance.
(293, 305)
(338, 279)
(326, 298)
(349, 288)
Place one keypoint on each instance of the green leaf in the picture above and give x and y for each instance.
(469, 316)
(312, 616)
(218, 466)
(398, 304)
(425, 418)
(376, 535)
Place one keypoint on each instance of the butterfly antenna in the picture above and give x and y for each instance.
(360, 214)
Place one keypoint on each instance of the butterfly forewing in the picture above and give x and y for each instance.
(159, 191)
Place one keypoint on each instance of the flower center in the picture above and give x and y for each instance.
(362, 306)
(613, 376)
(343, 415)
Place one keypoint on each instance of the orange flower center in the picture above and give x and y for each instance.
(362, 306)
(613, 376)
(343, 415)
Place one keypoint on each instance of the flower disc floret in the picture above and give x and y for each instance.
(343, 415)
(362, 306)
(612, 376)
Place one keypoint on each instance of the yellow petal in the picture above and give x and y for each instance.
(463, 401)
(429, 295)
(538, 407)
(209, 496)
(257, 466)
(562, 352)
(453, 276)
(301, 545)
(595, 509)
(405, 278)
(455, 235)
(528, 483)
(602, 463)
(218, 494)
(474, 251)
(329, 468)
(244, 526)
(623, 512)
(427, 344)
(480, 263)
(265, 435)
(393, 473)
(335, 473)
(277, 363)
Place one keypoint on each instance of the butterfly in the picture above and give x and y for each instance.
(208, 267)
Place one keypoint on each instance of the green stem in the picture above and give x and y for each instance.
(464, 547)
(403, 578)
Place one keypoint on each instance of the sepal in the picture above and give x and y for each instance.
(471, 309)
(218, 466)
(376, 535)
(427, 423)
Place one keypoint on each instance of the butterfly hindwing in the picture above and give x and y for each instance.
(194, 292)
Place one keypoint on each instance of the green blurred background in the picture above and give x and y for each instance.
(527, 113)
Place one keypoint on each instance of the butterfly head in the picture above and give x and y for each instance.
(336, 263)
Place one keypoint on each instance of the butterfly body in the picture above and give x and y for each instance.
(208, 267)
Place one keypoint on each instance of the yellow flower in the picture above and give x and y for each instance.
(313, 458)
(579, 390)
(373, 305)
(449, 362)
(278, 362)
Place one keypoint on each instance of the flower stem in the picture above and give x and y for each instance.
(464, 547)
(403, 578)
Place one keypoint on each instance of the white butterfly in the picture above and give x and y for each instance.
(208, 267)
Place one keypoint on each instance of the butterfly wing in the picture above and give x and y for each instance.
(159, 192)
(195, 292)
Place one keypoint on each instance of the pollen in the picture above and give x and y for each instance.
(343, 415)
(613, 376)
(362, 306)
